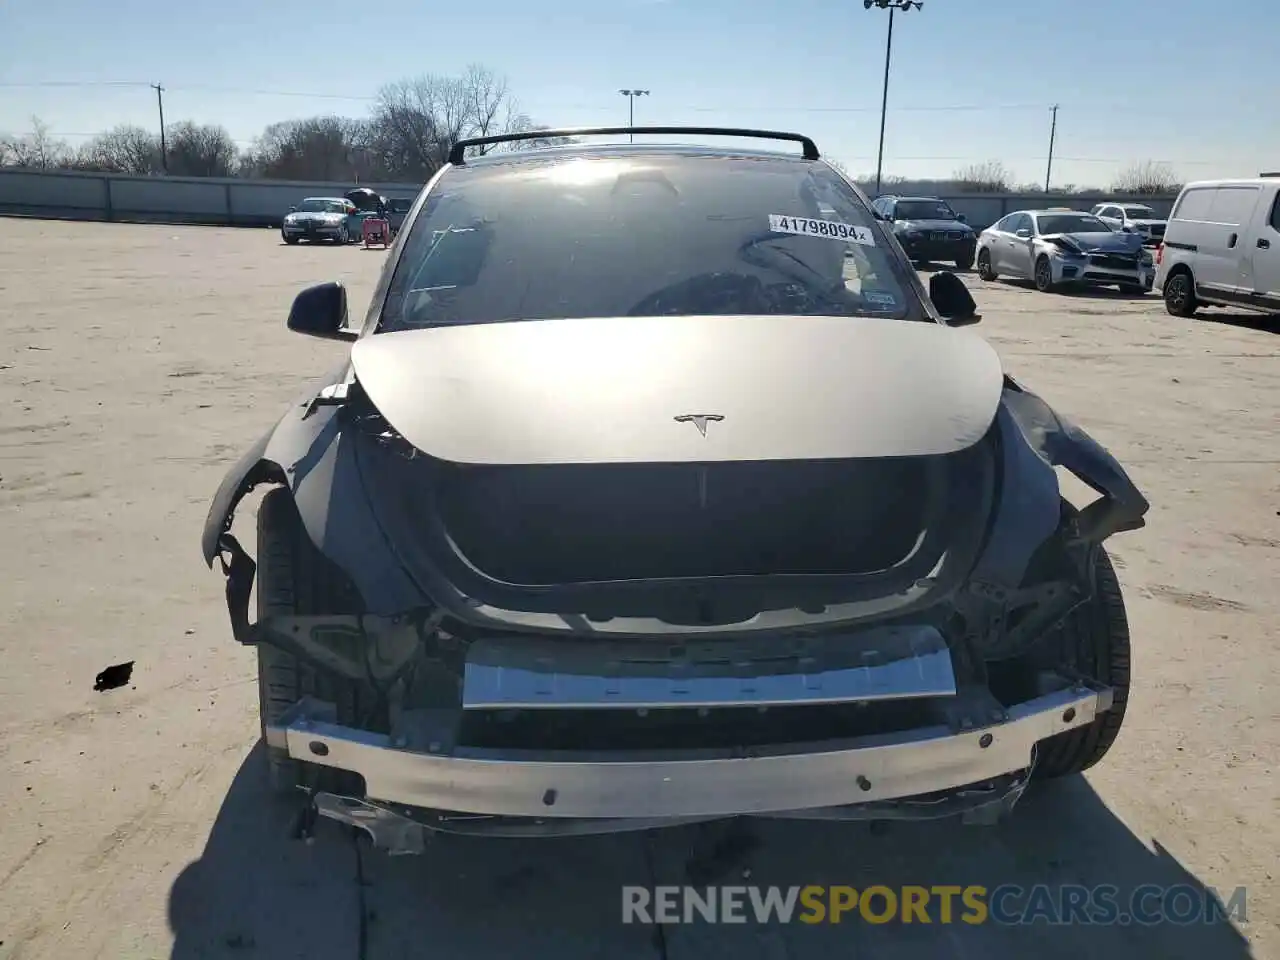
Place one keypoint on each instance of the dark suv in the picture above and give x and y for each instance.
(655, 487)
(929, 230)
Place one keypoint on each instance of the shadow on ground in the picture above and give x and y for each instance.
(1266, 322)
(258, 892)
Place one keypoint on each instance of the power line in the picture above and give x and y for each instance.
(250, 91)
(728, 108)
(78, 83)
(954, 158)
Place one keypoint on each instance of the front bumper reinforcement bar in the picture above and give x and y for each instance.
(686, 784)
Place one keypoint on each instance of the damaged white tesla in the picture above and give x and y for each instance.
(657, 488)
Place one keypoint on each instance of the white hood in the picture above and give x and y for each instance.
(611, 390)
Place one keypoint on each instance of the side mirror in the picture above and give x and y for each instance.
(952, 299)
(1023, 234)
(962, 218)
(321, 311)
(293, 209)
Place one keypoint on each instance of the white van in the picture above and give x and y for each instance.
(1222, 247)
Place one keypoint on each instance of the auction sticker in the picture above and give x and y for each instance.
(880, 299)
(831, 229)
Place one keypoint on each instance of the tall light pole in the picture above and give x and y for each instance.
(631, 112)
(891, 6)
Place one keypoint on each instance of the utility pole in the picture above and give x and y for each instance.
(1053, 132)
(164, 152)
(891, 6)
(631, 113)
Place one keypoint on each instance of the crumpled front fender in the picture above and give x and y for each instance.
(308, 452)
(250, 470)
(1061, 443)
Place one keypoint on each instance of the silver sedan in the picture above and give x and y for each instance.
(1059, 247)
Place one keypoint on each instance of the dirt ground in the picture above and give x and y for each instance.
(137, 362)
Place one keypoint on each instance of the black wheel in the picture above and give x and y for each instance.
(1180, 294)
(1095, 641)
(1044, 275)
(965, 262)
(294, 579)
(985, 270)
(288, 239)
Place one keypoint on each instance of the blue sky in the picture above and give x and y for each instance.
(1180, 81)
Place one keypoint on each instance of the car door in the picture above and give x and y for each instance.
(993, 241)
(1021, 239)
(999, 246)
(1263, 251)
(1223, 261)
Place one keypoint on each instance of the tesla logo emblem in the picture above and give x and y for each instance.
(700, 420)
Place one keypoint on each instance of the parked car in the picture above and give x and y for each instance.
(319, 218)
(928, 229)
(1054, 247)
(397, 209)
(1132, 218)
(1222, 247)
(629, 505)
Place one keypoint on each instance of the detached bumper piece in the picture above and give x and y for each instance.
(934, 771)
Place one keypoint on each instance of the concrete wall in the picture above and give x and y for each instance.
(208, 200)
(92, 196)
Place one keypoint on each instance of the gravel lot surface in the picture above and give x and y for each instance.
(137, 362)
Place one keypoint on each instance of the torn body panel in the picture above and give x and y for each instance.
(308, 452)
(328, 468)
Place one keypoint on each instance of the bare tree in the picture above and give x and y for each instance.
(988, 177)
(316, 148)
(197, 150)
(518, 122)
(417, 122)
(888, 183)
(123, 149)
(408, 126)
(39, 149)
(1148, 177)
(409, 135)
(490, 108)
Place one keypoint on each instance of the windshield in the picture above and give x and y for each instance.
(1070, 223)
(643, 235)
(1140, 213)
(321, 206)
(922, 210)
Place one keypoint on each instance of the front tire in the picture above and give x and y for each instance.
(1094, 640)
(288, 239)
(1043, 274)
(1180, 294)
(295, 579)
(985, 270)
(965, 262)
